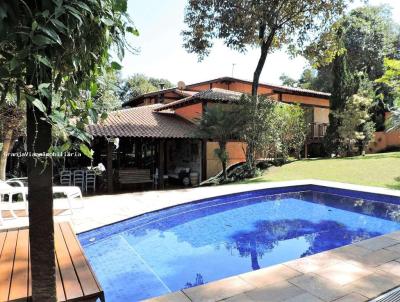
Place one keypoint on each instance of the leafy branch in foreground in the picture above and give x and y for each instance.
(46, 48)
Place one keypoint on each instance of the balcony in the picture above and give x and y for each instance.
(316, 131)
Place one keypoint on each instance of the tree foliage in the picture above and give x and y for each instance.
(258, 126)
(11, 127)
(139, 84)
(342, 89)
(49, 47)
(367, 35)
(220, 123)
(391, 78)
(288, 81)
(71, 39)
(356, 129)
(266, 24)
(271, 129)
(291, 130)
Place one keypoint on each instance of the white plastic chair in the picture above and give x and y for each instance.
(7, 189)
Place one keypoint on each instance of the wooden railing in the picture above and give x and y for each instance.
(317, 130)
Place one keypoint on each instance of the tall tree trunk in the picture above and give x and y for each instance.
(40, 196)
(7, 146)
(222, 155)
(265, 46)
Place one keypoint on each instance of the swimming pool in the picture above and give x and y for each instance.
(196, 243)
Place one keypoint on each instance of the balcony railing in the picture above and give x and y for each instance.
(317, 130)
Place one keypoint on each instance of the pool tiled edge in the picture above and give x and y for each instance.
(352, 273)
(108, 209)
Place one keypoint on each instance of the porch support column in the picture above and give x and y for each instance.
(161, 163)
(204, 159)
(110, 181)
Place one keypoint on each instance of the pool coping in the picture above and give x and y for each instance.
(185, 196)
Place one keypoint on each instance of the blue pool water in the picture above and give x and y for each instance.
(197, 243)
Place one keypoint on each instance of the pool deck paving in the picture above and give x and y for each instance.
(352, 273)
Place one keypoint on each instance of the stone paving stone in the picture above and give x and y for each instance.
(392, 267)
(377, 243)
(344, 272)
(379, 257)
(319, 286)
(373, 285)
(349, 252)
(239, 298)
(218, 290)
(353, 297)
(175, 297)
(395, 235)
(276, 292)
(269, 275)
(314, 262)
(394, 248)
(306, 297)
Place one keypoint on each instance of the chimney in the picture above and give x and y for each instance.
(161, 96)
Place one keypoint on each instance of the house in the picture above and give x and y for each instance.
(156, 132)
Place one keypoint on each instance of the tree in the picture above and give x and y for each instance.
(48, 47)
(221, 124)
(11, 120)
(356, 129)
(267, 24)
(108, 97)
(270, 128)
(343, 88)
(391, 78)
(139, 84)
(310, 78)
(368, 35)
(258, 126)
(287, 80)
(291, 129)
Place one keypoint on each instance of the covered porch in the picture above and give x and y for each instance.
(143, 149)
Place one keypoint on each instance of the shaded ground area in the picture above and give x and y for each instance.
(381, 170)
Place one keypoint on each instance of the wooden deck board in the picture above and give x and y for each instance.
(2, 239)
(59, 284)
(20, 277)
(85, 275)
(75, 279)
(72, 287)
(7, 264)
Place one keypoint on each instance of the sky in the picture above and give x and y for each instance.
(161, 54)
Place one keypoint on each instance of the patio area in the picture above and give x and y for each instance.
(356, 272)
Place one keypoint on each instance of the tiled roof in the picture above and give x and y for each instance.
(299, 90)
(213, 94)
(143, 122)
(279, 88)
(158, 92)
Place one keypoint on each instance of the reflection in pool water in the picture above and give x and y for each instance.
(198, 243)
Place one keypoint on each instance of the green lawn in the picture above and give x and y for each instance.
(381, 170)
